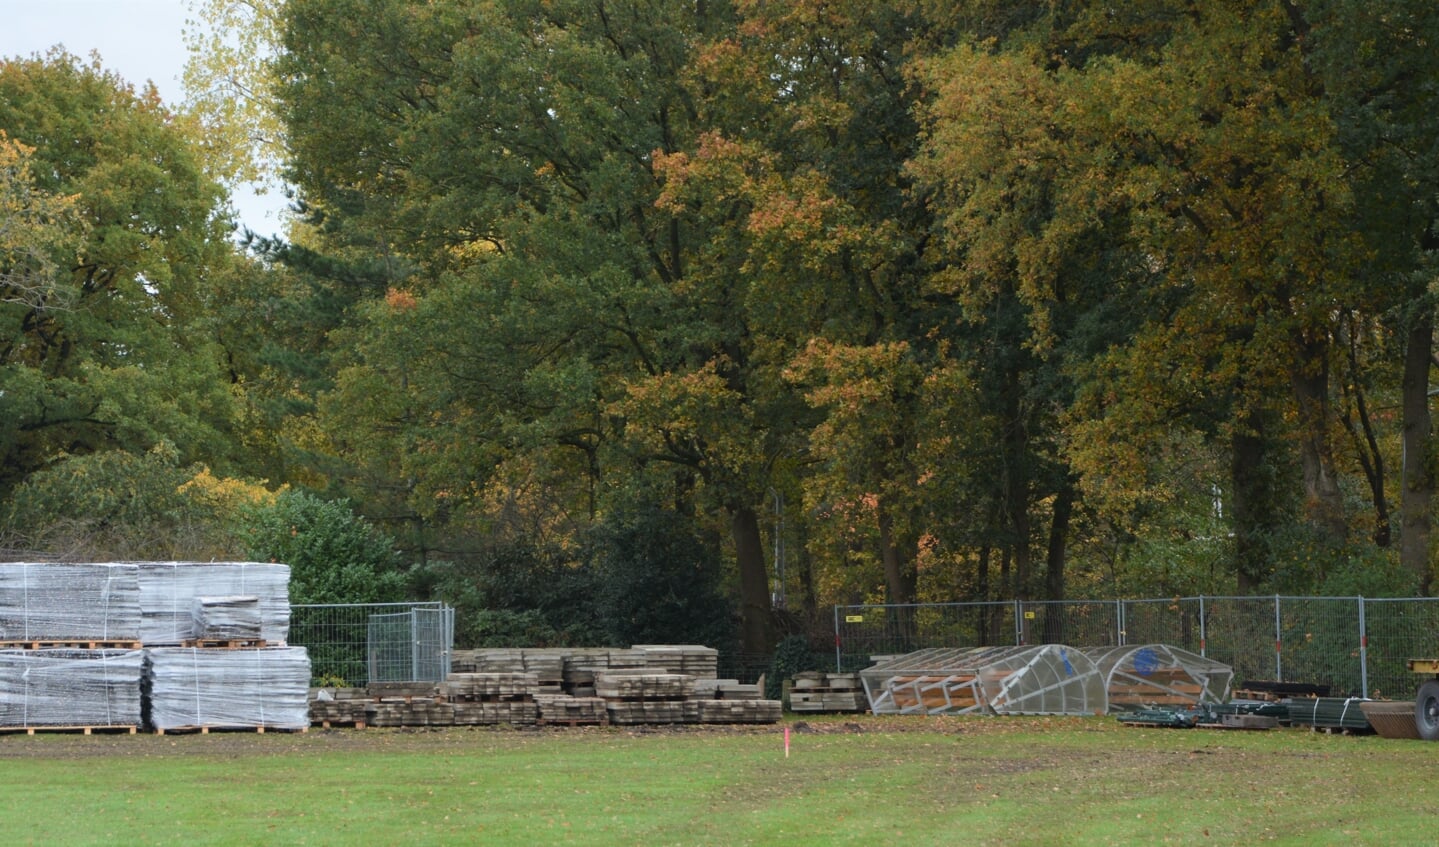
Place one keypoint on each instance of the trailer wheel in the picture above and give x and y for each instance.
(1426, 711)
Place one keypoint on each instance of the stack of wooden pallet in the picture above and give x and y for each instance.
(512, 713)
(578, 668)
(564, 710)
(647, 698)
(739, 711)
(693, 659)
(483, 687)
(548, 669)
(416, 711)
(488, 660)
(731, 701)
(816, 691)
(340, 707)
(403, 690)
(481, 699)
(726, 689)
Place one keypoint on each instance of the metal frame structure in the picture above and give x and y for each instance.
(1352, 644)
(1047, 679)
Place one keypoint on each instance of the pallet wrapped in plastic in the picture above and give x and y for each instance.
(53, 601)
(187, 687)
(168, 591)
(70, 688)
(235, 617)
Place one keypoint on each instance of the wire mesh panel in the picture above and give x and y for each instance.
(338, 639)
(434, 633)
(1175, 621)
(410, 646)
(1399, 630)
(1240, 632)
(390, 647)
(1082, 623)
(1319, 643)
(862, 632)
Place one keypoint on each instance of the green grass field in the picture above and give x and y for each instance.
(1004, 781)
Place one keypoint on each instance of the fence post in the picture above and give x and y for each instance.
(838, 662)
(1363, 651)
(1018, 623)
(1278, 644)
(1119, 622)
(1203, 634)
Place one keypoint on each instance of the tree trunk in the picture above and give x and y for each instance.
(756, 632)
(1004, 570)
(898, 556)
(1323, 501)
(809, 596)
(1418, 493)
(981, 590)
(1251, 491)
(1054, 563)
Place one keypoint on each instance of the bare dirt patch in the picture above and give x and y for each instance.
(75, 745)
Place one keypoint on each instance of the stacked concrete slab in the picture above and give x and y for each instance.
(55, 602)
(70, 688)
(196, 687)
(817, 691)
(568, 686)
(231, 618)
(73, 635)
(169, 590)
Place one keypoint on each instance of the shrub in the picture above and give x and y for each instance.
(335, 556)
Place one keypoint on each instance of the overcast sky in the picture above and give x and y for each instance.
(139, 39)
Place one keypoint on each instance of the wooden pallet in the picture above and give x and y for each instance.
(225, 643)
(573, 722)
(71, 644)
(329, 723)
(130, 729)
(207, 728)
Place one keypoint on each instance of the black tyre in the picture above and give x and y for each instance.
(1426, 711)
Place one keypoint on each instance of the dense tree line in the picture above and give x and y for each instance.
(603, 308)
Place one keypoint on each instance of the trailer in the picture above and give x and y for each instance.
(1426, 704)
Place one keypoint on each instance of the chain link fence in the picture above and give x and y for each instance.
(354, 645)
(1353, 645)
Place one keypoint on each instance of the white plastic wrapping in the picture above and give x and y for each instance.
(199, 687)
(168, 591)
(235, 617)
(71, 688)
(45, 601)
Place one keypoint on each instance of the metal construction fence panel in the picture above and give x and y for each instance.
(1353, 645)
(410, 646)
(1396, 631)
(375, 642)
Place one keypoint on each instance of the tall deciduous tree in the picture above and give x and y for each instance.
(104, 335)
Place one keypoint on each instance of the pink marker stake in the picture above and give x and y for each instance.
(786, 742)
